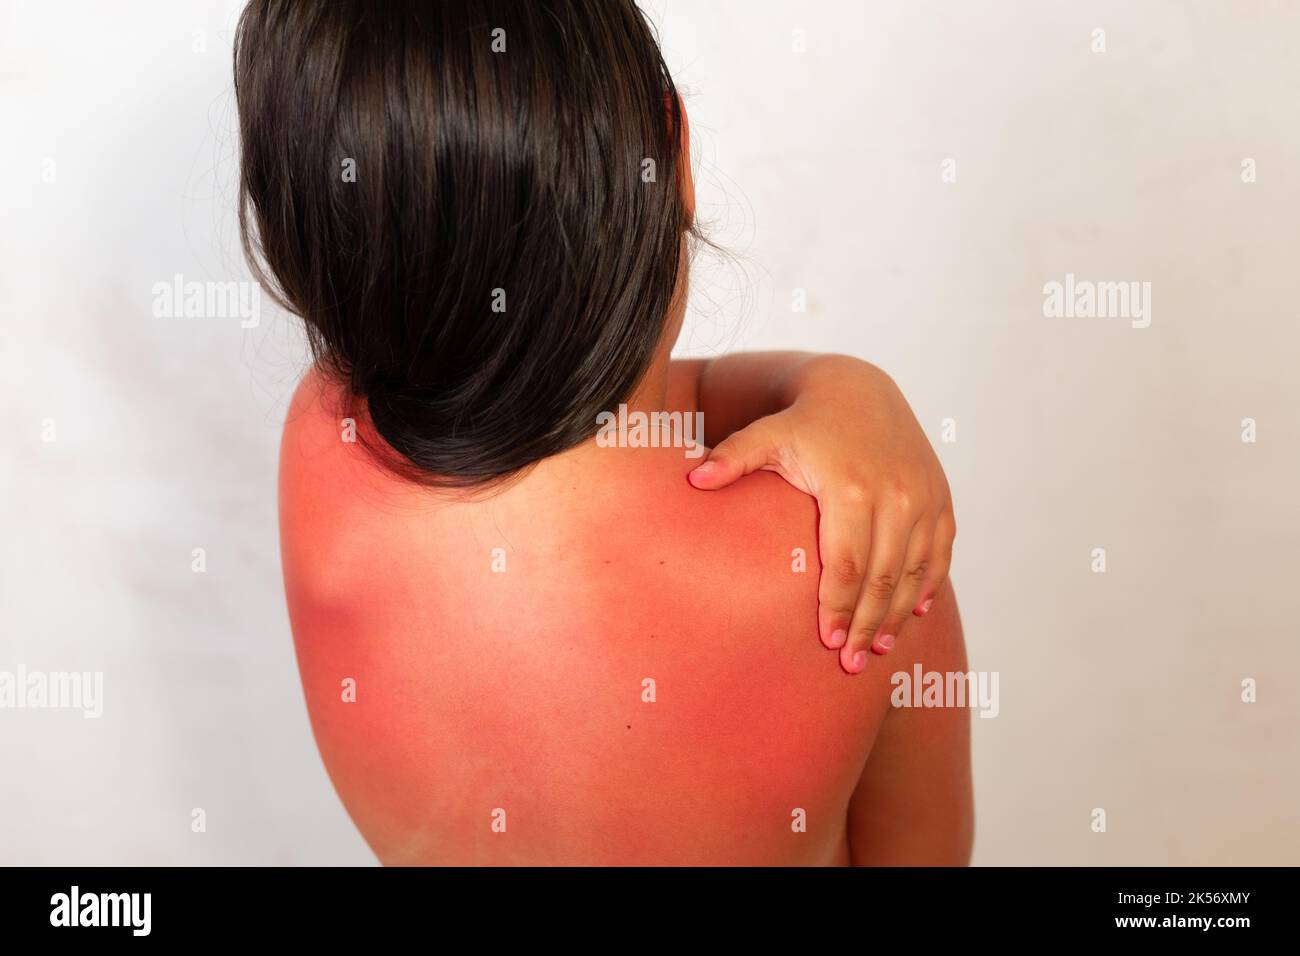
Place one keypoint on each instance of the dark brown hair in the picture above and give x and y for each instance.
(483, 176)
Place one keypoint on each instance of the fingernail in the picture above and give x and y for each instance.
(703, 471)
(924, 608)
(838, 639)
(883, 644)
(858, 662)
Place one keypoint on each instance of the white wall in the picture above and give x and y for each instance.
(822, 171)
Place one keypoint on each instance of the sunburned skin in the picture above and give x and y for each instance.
(600, 665)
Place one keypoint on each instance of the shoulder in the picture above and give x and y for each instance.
(314, 412)
(325, 479)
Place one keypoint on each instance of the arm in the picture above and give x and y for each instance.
(838, 429)
(913, 805)
(736, 390)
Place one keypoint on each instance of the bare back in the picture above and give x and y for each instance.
(599, 665)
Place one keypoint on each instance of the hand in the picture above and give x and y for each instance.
(886, 530)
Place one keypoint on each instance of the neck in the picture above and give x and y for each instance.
(590, 457)
(649, 396)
